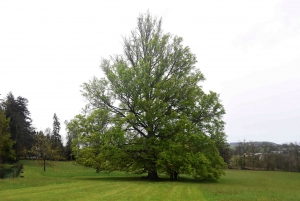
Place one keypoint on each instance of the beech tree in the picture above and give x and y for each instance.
(91, 138)
(161, 119)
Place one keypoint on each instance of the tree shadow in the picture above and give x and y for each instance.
(143, 179)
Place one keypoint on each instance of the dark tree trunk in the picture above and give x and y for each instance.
(152, 175)
(97, 169)
(44, 165)
(152, 172)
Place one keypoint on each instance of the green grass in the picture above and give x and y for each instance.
(66, 181)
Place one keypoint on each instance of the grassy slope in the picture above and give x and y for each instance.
(65, 181)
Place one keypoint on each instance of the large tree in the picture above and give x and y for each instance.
(161, 118)
(16, 109)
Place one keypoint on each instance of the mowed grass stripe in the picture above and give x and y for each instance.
(111, 190)
(66, 181)
(69, 191)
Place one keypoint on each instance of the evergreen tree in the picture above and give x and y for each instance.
(56, 137)
(56, 128)
(6, 143)
(20, 122)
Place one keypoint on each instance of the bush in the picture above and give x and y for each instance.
(10, 171)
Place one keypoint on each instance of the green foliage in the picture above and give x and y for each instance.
(10, 171)
(56, 137)
(56, 128)
(20, 122)
(6, 143)
(68, 148)
(159, 115)
(91, 139)
(266, 156)
(43, 150)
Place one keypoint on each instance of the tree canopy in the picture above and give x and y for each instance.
(159, 119)
(43, 149)
(6, 143)
(56, 137)
(16, 109)
(56, 128)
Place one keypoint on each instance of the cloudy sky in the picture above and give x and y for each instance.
(249, 52)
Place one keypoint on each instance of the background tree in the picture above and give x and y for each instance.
(20, 122)
(93, 140)
(68, 147)
(42, 150)
(153, 95)
(292, 157)
(48, 133)
(242, 150)
(56, 137)
(267, 156)
(56, 128)
(6, 143)
(235, 162)
(251, 153)
(225, 153)
(266, 148)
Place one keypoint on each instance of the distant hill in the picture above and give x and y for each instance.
(257, 143)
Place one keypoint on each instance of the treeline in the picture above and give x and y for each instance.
(19, 139)
(266, 156)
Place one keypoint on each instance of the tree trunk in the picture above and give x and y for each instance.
(44, 165)
(152, 175)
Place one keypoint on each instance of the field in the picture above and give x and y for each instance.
(66, 181)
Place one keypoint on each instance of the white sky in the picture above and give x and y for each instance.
(249, 52)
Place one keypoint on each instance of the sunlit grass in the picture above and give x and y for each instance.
(66, 181)
(254, 185)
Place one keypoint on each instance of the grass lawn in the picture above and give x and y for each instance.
(65, 181)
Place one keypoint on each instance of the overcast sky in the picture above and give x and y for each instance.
(249, 52)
